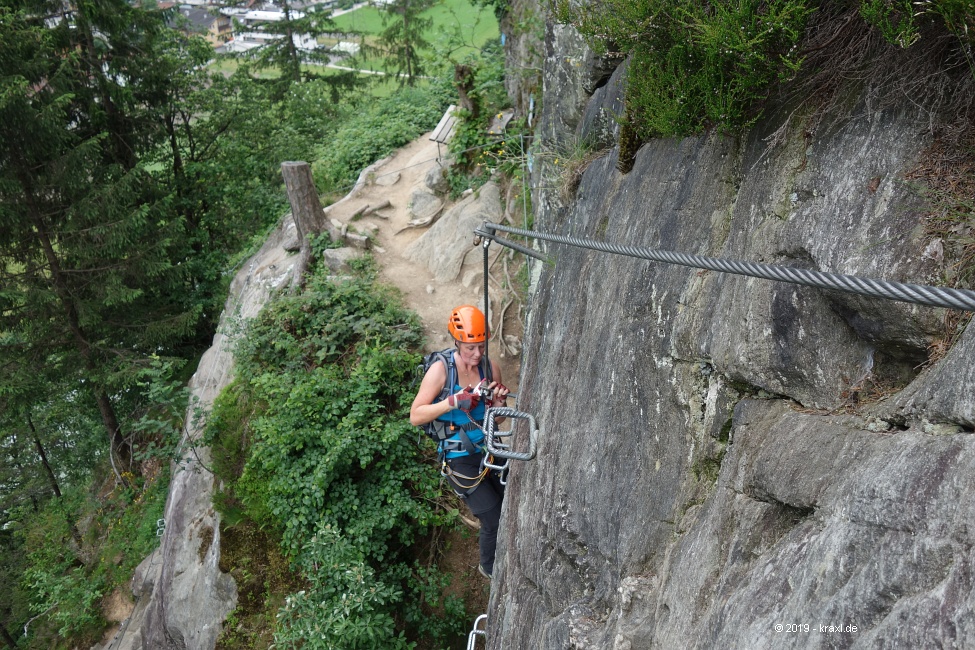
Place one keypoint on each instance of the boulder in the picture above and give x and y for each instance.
(423, 205)
(388, 179)
(436, 178)
(337, 259)
(445, 246)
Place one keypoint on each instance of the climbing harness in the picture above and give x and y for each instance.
(462, 488)
(920, 294)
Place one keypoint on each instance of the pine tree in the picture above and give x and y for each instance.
(296, 45)
(90, 247)
(403, 37)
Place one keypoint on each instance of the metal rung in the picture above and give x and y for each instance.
(502, 451)
(504, 447)
(472, 637)
(500, 467)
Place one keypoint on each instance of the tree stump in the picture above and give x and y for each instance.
(306, 210)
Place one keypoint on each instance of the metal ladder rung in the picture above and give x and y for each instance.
(475, 632)
(502, 450)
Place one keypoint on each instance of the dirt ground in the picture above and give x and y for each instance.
(391, 234)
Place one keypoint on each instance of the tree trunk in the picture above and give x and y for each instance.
(63, 291)
(306, 210)
(464, 80)
(408, 48)
(294, 58)
(9, 640)
(120, 445)
(51, 478)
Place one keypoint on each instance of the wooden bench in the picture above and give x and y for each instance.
(445, 129)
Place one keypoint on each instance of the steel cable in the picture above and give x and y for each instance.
(914, 293)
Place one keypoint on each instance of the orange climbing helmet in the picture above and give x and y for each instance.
(467, 324)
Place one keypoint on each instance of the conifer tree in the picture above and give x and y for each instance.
(297, 44)
(403, 37)
(90, 247)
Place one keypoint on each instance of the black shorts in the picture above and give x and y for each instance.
(488, 493)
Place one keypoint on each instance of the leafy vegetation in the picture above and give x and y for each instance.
(404, 37)
(712, 64)
(694, 64)
(284, 57)
(314, 444)
(374, 133)
(120, 531)
(479, 153)
(134, 181)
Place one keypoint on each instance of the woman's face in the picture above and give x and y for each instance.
(471, 353)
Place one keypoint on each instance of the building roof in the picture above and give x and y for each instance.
(198, 16)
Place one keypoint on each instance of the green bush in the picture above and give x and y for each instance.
(478, 153)
(694, 64)
(58, 581)
(697, 65)
(315, 441)
(900, 21)
(66, 581)
(346, 605)
(374, 133)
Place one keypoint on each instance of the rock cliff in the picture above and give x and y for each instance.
(725, 461)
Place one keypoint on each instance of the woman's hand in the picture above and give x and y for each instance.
(500, 393)
(463, 400)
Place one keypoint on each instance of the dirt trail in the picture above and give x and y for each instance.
(432, 300)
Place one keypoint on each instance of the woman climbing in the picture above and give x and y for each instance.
(452, 398)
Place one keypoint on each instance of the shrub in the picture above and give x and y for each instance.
(694, 64)
(316, 439)
(697, 65)
(900, 21)
(374, 133)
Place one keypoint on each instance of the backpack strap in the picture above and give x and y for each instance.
(447, 357)
(438, 429)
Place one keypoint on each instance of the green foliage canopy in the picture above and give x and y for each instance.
(376, 131)
(404, 36)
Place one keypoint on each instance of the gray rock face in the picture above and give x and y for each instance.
(701, 475)
(436, 178)
(338, 259)
(444, 247)
(184, 594)
(424, 205)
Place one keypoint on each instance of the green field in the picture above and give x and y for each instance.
(379, 86)
(477, 25)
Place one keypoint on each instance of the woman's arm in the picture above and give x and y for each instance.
(423, 410)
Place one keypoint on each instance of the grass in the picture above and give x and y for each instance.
(380, 87)
(478, 25)
(367, 20)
